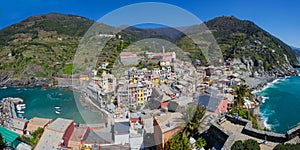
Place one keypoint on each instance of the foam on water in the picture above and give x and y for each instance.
(265, 117)
(264, 98)
(280, 98)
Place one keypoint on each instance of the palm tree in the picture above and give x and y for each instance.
(200, 143)
(241, 93)
(194, 114)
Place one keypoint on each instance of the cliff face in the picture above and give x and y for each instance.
(257, 55)
(263, 56)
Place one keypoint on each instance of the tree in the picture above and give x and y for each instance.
(194, 114)
(249, 144)
(200, 143)
(2, 144)
(35, 136)
(178, 142)
(241, 93)
(287, 146)
(238, 145)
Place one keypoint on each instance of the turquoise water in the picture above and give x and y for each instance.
(281, 110)
(42, 103)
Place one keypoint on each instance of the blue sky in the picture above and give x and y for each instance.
(280, 18)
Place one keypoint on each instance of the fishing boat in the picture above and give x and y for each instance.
(57, 107)
(57, 112)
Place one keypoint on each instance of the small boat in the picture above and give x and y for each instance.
(18, 108)
(22, 105)
(20, 115)
(20, 112)
(57, 107)
(57, 112)
(3, 87)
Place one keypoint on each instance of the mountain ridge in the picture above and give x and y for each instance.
(30, 42)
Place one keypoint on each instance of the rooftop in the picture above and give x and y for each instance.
(128, 54)
(78, 134)
(8, 136)
(169, 121)
(50, 140)
(53, 134)
(18, 123)
(99, 136)
(122, 127)
(36, 122)
(60, 125)
(209, 102)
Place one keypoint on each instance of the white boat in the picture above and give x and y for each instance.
(18, 108)
(57, 112)
(20, 112)
(22, 105)
(57, 107)
(4, 87)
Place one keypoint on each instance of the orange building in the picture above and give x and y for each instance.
(165, 126)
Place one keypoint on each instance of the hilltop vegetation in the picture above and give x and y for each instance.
(45, 45)
(243, 40)
(40, 46)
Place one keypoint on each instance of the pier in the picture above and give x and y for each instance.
(8, 110)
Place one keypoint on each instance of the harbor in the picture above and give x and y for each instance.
(47, 103)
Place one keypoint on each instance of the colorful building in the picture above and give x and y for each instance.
(213, 103)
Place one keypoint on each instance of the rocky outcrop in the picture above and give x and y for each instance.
(45, 82)
(256, 76)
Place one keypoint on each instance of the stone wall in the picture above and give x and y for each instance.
(223, 136)
(264, 135)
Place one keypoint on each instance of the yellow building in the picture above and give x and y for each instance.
(140, 96)
(83, 77)
(155, 79)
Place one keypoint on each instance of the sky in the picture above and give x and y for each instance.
(279, 17)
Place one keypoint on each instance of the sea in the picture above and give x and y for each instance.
(52, 103)
(281, 108)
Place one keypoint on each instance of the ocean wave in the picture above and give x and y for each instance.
(255, 92)
(264, 98)
(273, 83)
(268, 126)
(265, 117)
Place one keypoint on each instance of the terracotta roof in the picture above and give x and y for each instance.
(36, 122)
(128, 54)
